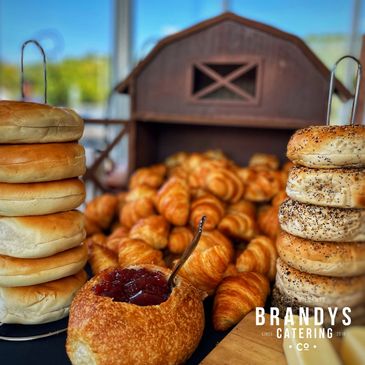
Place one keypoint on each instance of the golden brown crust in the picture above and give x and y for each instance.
(133, 211)
(133, 252)
(259, 256)
(328, 146)
(110, 332)
(41, 236)
(342, 188)
(173, 201)
(41, 198)
(322, 258)
(152, 176)
(207, 205)
(40, 303)
(139, 192)
(264, 161)
(179, 239)
(21, 272)
(25, 122)
(102, 210)
(114, 239)
(238, 225)
(236, 296)
(101, 258)
(41, 162)
(154, 230)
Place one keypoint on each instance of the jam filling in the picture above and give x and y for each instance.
(136, 286)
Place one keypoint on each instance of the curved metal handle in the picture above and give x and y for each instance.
(356, 96)
(44, 60)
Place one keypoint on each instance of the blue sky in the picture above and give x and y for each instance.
(86, 26)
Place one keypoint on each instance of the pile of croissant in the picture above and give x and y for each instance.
(153, 222)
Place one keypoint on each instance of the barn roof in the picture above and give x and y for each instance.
(340, 89)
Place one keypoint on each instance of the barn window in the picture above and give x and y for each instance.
(236, 82)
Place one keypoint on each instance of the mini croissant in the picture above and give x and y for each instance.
(207, 205)
(259, 256)
(207, 264)
(101, 258)
(173, 201)
(133, 211)
(236, 296)
(179, 239)
(115, 237)
(154, 230)
(152, 176)
(102, 210)
(132, 251)
(140, 192)
(238, 225)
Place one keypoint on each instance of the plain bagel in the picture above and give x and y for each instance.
(28, 163)
(342, 188)
(25, 122)
(340, 259)
(319, 223)
(328, 146)
(23, 272)
(40, 303)
(36, 237)
(41, 198)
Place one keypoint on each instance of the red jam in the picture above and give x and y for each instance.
(136, 286)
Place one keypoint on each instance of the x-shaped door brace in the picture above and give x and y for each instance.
(225, 81)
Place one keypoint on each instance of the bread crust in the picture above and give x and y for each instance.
(318, 290)
(328, 146)
(40, 198)
(343, 188)
(322, 223)
(340, 259)
(104, 332)
(22, 272)
(36, 237)
(41, 162)
(40, 303)
(25, 122)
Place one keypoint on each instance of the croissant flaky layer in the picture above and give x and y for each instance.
(259, 256)
(135, 210)
(236, 296)
(173, 201)
(101, 210)
(238, 225)
(179, 239)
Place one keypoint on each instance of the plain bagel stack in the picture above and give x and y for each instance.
(322, 244)
(41, 251)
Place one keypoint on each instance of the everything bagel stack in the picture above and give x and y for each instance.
(322, 245)
(41, 251)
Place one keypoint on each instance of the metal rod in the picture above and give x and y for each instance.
(44, 60)
(188, 251)
(331, 88)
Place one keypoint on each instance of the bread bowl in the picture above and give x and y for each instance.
(328, 146)
(103, 331)
(25, 122)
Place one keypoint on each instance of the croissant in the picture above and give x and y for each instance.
(133, 251)
(207, 264)
(102, 210)
(230, 271)
(179, 239)
(179, 172)
(243, 206)
(101, 258)
(176, 159)
(91, 227)
(264, 161)
(238, 225)
(259, 256)
(236, 296)
(207, 205)
(173, 201)
(225, 184)
(133, 211)
(121, 199)
(213, 238)
(114, 239)
(267, 218)
(152, 176)
(215, 154)
(261, 185)
(154, 230)
(140, 192)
